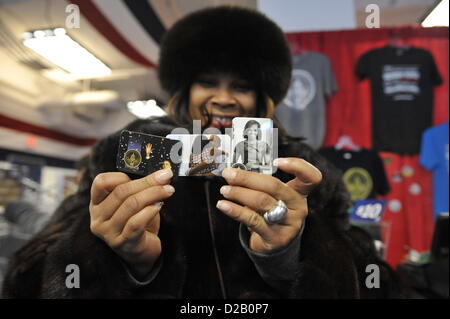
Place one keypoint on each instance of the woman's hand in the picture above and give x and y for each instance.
(258, 193)
(125, 214)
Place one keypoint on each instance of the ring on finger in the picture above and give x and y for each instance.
(276, 214)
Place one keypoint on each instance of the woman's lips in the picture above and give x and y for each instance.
(221, 121)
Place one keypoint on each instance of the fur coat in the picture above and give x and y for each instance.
(332, 259)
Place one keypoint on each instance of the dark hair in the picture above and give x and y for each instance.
(82, 163)
(247, 126)
(178, 107)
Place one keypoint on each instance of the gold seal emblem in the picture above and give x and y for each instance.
(358, 183)
(132, 158)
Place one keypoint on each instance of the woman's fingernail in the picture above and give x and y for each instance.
(280, 161)
(163, 176)
(224, 190)
(159, 204)
(169, 189)
(223, 206)
(229, 173)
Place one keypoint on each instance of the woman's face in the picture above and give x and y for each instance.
(252, 132)
(223, 97)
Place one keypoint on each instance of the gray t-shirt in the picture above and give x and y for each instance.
(302, 112)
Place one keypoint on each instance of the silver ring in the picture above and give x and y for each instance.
(276, 214)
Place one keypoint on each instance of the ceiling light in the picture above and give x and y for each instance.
(27, 35)
(438, 17)
(60, 49)
(59, 76)
(145, 109)
(39, 34)
(59, 31)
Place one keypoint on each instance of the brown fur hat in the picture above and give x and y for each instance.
(240, 41)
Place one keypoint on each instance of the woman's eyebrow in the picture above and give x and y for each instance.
(241, 81)
(208, 77)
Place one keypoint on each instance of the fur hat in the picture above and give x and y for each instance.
(241, 41)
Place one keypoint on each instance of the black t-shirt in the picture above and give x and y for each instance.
(363, 171)
(402, 81)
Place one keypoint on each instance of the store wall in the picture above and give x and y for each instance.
(295, 15)
(408, 221)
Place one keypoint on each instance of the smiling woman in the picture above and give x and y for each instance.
(204, 71)
(207, 237)
(217, 98)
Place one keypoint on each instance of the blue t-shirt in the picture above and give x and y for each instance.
(434, 157)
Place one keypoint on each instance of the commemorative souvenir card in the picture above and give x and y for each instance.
(143, 154)
(203, 154)
(253, 144)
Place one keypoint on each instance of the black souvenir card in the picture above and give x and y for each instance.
(143, 154)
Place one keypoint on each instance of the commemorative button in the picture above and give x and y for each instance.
(415, 189)
(407, 171)
(397, 178)
(395, 205)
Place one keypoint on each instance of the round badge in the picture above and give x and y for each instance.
(387, 160)
(132, 158)
(347, 156)
(407, 171)
(397, 178)
(415, 189)
(395, 205)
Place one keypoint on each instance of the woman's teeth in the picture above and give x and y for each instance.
(222, 121)
(222, 118)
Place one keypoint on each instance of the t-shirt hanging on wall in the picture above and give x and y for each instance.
(407, 222)
(434, 157)
(363, 171)
(402, 81)
(302, 112)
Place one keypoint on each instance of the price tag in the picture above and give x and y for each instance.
(369, 210)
